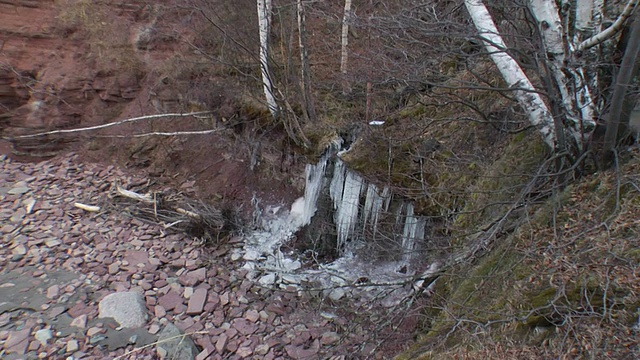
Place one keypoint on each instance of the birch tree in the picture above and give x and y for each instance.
(344, 41)
(264, 25)
(536, 109)
(564, 43)
(304, 64)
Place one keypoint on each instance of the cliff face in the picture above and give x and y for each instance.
(68, 64)
(48, 81)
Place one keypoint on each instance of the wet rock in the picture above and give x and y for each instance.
(175, 345)
(127, 308)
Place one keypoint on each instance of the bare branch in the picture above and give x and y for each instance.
(104, 126)
(611, 30)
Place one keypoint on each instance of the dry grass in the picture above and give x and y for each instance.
(565, 285)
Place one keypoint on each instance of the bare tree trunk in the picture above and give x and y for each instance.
(576, 99)
(344, 54)
(618, 119)
(537, 111)
(264, 23)
(304, 60)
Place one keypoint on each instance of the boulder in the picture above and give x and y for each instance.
(126, 308)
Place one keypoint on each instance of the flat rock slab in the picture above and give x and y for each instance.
(127, 308)
(174, 344)
(20, 289)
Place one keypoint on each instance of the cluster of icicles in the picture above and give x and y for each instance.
(346, 189)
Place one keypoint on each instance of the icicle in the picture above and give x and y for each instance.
(408, 235)
(413, 233)
(369, 201)
(347, 212)
(337, 183)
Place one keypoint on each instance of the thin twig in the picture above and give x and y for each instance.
(104, 126)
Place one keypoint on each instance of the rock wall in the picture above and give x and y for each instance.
(51, 77)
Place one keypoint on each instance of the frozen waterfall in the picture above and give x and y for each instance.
(363, 213)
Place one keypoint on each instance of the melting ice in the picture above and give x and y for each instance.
(358, 207)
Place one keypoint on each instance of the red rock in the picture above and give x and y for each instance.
(180, 308)
(159, 311)
(299, 352)
(160, 283)
(185, 324)
(114, 268)
(78, 309)
(218, 317)
(232, 346)
(145, 285)
(80, 321)
(195, 277)
(224, 299)
(276, 308)
(53, 292)
(221, 343)
(33, 346)
(244, 351)
(252, 315)
(18, 341)
(231, 333)
(170, 301)
(244, 327)
(134, 257)
(203, 355)
(55, 311)
(197, 301)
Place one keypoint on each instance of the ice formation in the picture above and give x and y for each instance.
(358, 207)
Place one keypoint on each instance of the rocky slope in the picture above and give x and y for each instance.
(60, 263)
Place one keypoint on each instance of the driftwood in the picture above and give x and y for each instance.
(178, 213)
(85, 207)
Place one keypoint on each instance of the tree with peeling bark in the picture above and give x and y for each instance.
(344, 42)
(567, 35)
(264, 26)
(307, 99)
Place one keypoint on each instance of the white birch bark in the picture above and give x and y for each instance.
(576, 97)
(611, 30)
(264, 26)
(344, 53)
(528, 98)
(585, 10)
(304, 60)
